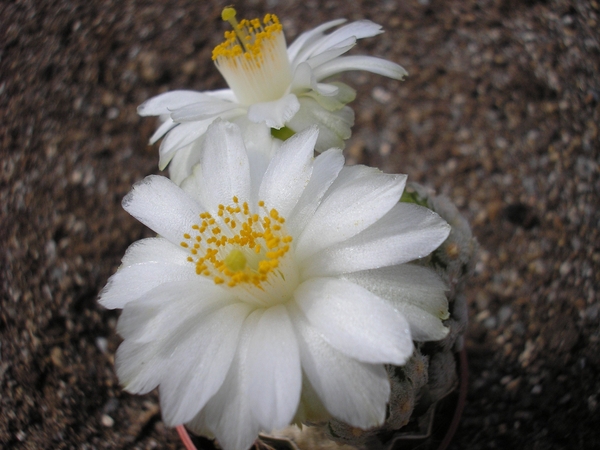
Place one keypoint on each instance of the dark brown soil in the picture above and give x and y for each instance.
(500, 112)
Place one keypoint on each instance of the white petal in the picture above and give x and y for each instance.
(162, 206)
(355, 321)
(223, 94)
(289, 172)
(325, 170)
(179, 137)
(334, 126)
(228, 413)
(184, 161)
(333, 103)
(348, 209)
(327, 90)
(276, 113)
(406, 283)
(423, 325)
(185, 134)
(154, 250)
(167, 102)
(406, 233)
(274, 369)
(204, 347)
(303, 78)
(353, 392)
(162, 130)
(224, 166)
(132, 282)
(305, 39)
(369, 63)
(339, 38)
(201, 110)
(138, 369)
(260, 147)
(328, 55)
(415, 291)
(160, 311)
(146, 325)
(305, 83)
(191, 184)
(257, 136)
(352, 174)
(154, 261)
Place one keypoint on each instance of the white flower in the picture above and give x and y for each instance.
(276, 289)
(270, 84)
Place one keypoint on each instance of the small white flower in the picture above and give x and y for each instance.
(276, 289)
(271, 84)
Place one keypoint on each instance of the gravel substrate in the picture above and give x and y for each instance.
(500, 113)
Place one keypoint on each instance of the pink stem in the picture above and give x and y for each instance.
(185, 438)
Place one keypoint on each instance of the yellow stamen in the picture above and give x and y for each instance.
(237, 246)
(253, 58)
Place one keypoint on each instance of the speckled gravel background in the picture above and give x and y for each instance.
(500, 112)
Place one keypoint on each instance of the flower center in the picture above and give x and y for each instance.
(247, 251)
(253, 58)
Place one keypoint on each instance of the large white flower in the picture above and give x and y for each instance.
(269, 84)
(276, 289)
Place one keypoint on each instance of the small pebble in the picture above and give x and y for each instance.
(385, 149)
(564, 399)
(565, 268)
(504, 314)
(107, 421)
(513, 385)
(592, 402)
(490, 323)
(102, 344)
(381, 95)
(112, 113)
(111, 406)
(56, 356)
